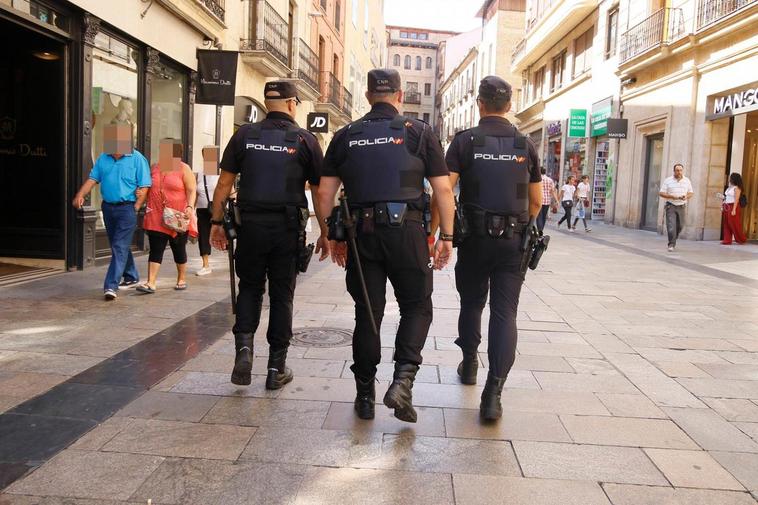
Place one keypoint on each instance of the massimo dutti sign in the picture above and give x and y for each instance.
(216, 77)
(735, 102)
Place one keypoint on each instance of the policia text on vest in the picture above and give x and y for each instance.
(382, 160)
(274, 159)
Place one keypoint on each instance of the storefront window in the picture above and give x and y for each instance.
(575, 157)
(553, 158)
(167, 108)
(115, 87)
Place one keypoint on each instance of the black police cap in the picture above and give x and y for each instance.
(494, 88)
(276, 90)
(384, 80)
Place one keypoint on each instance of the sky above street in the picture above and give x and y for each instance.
(453, 15)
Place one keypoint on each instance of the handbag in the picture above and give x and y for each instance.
(173, 219)
(586, 203)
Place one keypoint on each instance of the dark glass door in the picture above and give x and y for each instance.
(653, 165)
(32, 156)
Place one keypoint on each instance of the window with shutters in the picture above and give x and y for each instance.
(428, 62)
(583, 52)
(612, 33)
(558, 70)
(418, 62)
(396, 60)
(427, 89)
(407, 62)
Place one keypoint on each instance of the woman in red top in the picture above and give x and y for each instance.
(173, 187)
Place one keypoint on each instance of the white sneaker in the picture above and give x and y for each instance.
(204, 271)
(110, 294)
(671, 248)
(588, 230)
(572, 230)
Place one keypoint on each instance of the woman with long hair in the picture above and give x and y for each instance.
(566, 197)
(731, 210)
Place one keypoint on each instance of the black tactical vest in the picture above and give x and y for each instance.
(378, 166)
(271, 171)
(497, 177)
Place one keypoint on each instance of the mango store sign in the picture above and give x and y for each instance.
(739, 102)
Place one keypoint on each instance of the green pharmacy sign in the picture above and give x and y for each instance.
(577, 123)
(601, 111)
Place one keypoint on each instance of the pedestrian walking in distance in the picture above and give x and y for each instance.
(548, 195)
(734, 200)
(501, 189)
(124, 176)
(382, 159)
(582, 201)
(676, 190)
(174, 190)
(273, 158)
(206, 185)
(566, 196)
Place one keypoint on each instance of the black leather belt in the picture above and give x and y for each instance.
(117, 204)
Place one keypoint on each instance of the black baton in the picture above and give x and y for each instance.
(347, 219)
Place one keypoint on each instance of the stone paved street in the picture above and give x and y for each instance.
(636, 382)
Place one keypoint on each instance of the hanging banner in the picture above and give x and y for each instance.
(577, 123)
(216, 77)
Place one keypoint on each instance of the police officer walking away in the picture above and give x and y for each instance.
(382, 160)
(501, 188)
(274, 159)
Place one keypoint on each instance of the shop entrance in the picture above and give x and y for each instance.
(32, 156)
(750, 177)
(653, 164)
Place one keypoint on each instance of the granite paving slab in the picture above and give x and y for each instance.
(218, 384)
(552, 381)
(514, 425)
(169, 406)
(621, 494)
(711, 431)
(734, 409)
(744, 467)
(631, 405)
(268, 412)
(695, 469)
(626, 431)
(342, 417)
(500, 490)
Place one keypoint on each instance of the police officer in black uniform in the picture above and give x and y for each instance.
(274, 159)
(382, 160)
(501, 189)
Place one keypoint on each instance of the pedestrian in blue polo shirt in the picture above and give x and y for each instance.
(123, 174)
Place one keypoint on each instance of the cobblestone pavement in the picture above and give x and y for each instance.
(636, 382)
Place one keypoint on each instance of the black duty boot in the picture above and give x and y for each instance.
(364, 397)
(278, 373)
(467, 368)
(490, 408)
(243, 361)
(399, 395)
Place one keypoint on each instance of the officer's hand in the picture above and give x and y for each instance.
(339, 252)
(323, 247)
(218, 237)
(442, 252)
(78, 202)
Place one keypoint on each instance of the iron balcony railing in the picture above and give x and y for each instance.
(412, 97)
(330, 89)
(307, 66)
(347, 103)
(270, 34)
(215, 6)
(538, 10)
(518, 50)
(710, 11)
(662, 27)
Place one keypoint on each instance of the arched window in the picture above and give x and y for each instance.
(407, 62)
(396, 60)
(428, 62)
(418, 62)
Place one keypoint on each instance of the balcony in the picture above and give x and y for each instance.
(660, 29)
(331, 101)
(307, 72)
(548, 26)
(206, 16)
(215, 6)
(412, 97)
(347, 103)
(711, 11)
(267, 49)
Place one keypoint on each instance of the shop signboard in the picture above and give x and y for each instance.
(318, 122)
(554, 129)
(617, 128)
(736, 102)
(577, 123)
(217, 76)
(601, 111)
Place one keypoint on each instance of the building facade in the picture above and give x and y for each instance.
(690, 89)
(458, 110)
(567, 62)
(81, 65)
(413, 53)
(365, 44)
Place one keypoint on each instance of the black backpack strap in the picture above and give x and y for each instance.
(254, 132)
(355, 128)
(293, 133)
(398, 122)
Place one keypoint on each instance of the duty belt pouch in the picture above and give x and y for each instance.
(304, 254)
(396, 213)
(336, 226)
(380, 215)
(293, 217)
(367, 221)
(305, 215)
(495, 225)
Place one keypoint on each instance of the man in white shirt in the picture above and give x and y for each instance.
(676, 190)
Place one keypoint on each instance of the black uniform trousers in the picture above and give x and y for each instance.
(266, 249)
(488, 264)
(401, 255)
